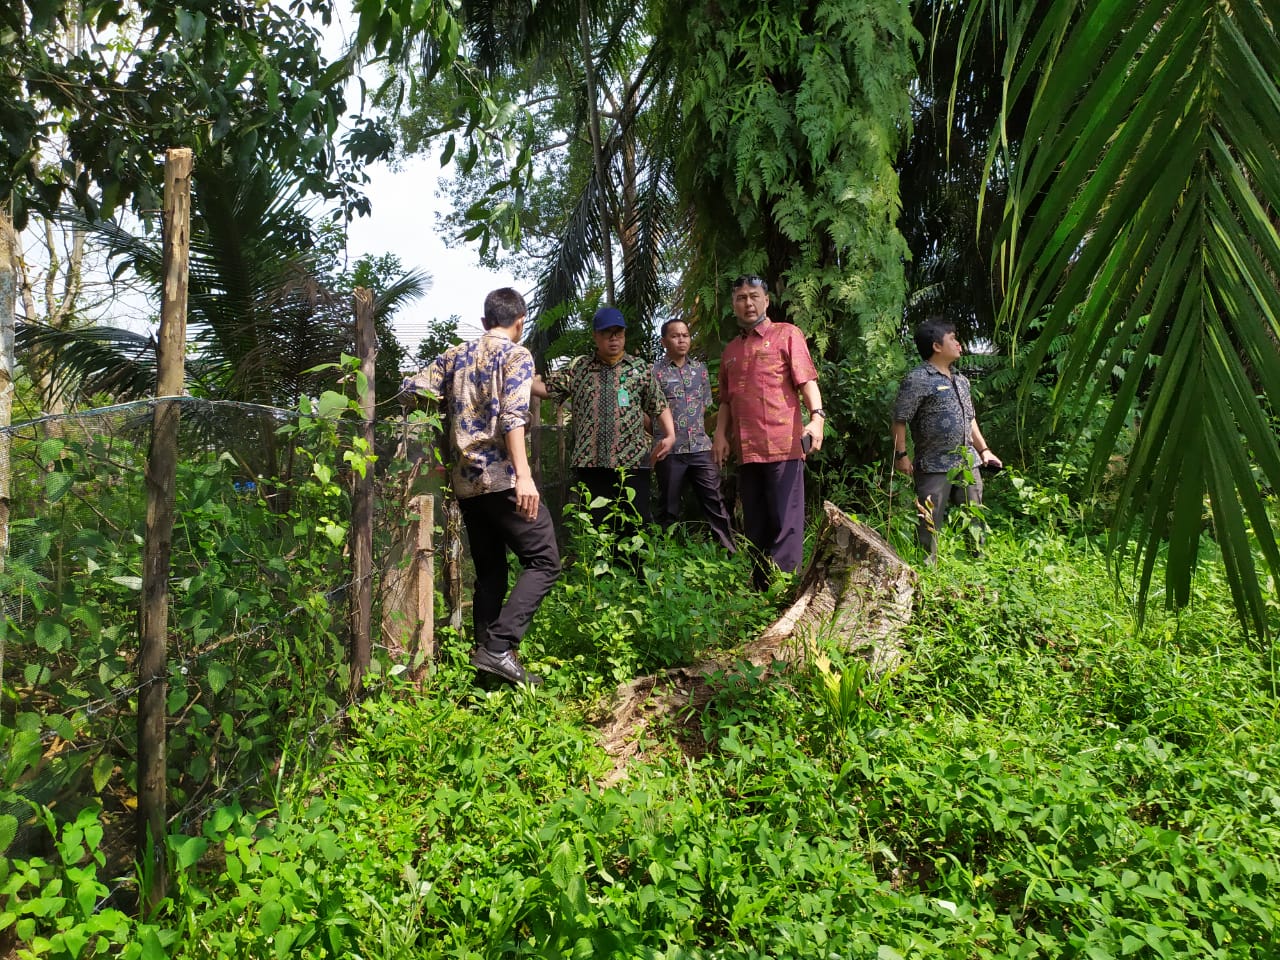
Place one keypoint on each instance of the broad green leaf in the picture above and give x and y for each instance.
(51, 635)
(152, 948)
(56, 485)
(269, 917)
(331, 403)
(50, 450)
(103, 767)
(189, 850)
(8, 830)
(219, 675)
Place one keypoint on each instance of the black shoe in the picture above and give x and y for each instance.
(505, 665)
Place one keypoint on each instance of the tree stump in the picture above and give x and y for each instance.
(855, 589)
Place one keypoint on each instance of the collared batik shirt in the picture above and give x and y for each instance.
(761, 373)
(939, 410)
(608, 407)
(485, 386)
(688, 393)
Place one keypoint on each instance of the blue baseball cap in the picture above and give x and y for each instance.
(607, 318)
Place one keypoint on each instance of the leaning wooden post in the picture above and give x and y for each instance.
(362, 500)
(562, 455)
(452, 548)
(424, 564)
(162, 463)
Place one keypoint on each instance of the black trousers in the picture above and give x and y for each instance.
(613, 484)
(494, 525)
(935, 494)
(772, 497)
(700, 470)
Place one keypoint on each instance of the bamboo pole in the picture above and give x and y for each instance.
(160, 478)
(362, 499)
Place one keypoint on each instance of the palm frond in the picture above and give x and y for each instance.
(93, 359)
(571, 262)
(1146, 192)
(644, 277)
(405, 289)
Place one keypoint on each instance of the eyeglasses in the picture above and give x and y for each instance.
(751, 280)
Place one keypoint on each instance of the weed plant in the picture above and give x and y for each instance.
(652, 601)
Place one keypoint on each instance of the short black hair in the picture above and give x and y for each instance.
(663, 331)
(932, 331)
(503, 307)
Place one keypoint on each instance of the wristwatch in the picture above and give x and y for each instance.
(899, 454)
(818, 413)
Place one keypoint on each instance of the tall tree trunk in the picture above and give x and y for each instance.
(597, 150)
(8, 329)
(8, 324)
(61, 304)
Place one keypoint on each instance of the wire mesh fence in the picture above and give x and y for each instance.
(260, 581)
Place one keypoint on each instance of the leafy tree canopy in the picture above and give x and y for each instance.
(109, 85)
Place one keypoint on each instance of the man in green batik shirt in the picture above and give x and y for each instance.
(611, 392)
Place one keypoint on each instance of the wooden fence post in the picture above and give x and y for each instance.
(362, 499)
(562, 456)
(452, 549)
(162, 462)
(535, 439)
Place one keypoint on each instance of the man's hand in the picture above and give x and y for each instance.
(989, 459)
(408, 395)
(903, 465)
(720, 450)
(527, 496)
(813, 429)
(663, 447)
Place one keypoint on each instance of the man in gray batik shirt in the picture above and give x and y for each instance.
(938, 405)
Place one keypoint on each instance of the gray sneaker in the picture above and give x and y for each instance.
(505, 665)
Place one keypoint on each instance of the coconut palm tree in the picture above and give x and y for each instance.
(259, 318)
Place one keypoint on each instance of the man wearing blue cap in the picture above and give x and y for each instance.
(611, 393)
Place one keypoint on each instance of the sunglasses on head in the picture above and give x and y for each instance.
(751, 280)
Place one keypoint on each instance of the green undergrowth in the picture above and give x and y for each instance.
(1039, 778)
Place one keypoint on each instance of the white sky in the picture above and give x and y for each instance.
(403, 222)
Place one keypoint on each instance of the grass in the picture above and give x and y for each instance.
(1044, 778)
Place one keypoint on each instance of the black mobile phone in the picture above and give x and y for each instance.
(806, 443)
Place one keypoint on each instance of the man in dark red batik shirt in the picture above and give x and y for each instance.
(764, 373)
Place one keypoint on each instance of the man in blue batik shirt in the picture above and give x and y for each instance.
(484, 386)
